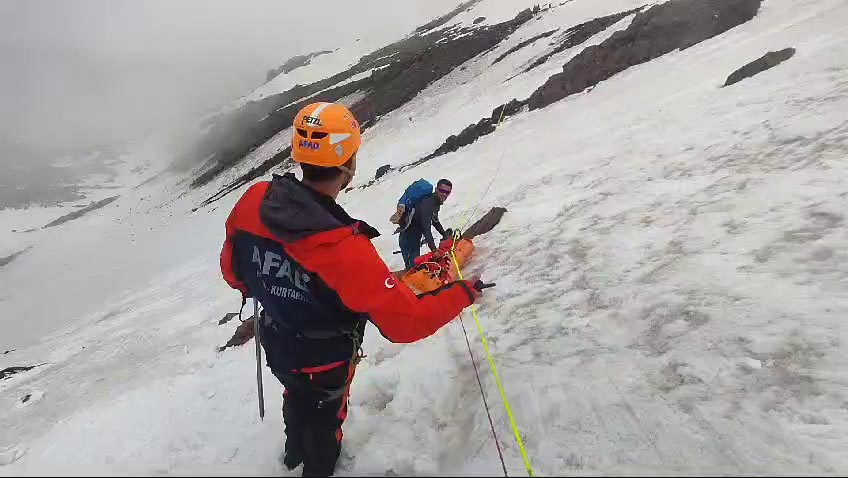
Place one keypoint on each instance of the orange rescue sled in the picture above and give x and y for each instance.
(428, 275)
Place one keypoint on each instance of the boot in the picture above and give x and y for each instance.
(395, 219)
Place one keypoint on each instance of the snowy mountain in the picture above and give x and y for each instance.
(672, 274)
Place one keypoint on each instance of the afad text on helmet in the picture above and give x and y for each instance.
(305, 143)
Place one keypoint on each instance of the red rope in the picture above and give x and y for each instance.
(483, 395)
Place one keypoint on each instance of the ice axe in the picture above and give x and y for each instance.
(257, 338)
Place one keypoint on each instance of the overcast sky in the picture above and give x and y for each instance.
(79, 72)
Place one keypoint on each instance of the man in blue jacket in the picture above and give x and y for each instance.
(424, 217)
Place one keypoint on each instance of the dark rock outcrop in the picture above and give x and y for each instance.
(394, 86)
(283, 159)
(765, 62)
(9, 371)
(464, 6)
(237, 133)
(508, 109)
(523, 44)
(472, 132)
(678, 24)
(653, 33)
(479, 20)
(294, 63)
(572, 37)
(579, 34)
(382, 170)
(485, 223)
(388, 88)
(10, 258)
(81, 212)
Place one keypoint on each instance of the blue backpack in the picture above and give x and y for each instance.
(415, 192)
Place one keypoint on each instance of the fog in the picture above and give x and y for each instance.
(81, 73)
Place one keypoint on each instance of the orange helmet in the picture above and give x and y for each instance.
(325, 134)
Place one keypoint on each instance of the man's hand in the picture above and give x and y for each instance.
(436, 255)
(470, 282)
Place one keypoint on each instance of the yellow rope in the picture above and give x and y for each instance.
(456, 239)
(495, 373)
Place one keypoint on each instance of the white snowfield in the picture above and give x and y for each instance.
(672, 284)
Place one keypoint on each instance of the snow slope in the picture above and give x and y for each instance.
(672, 285)
(348, 54)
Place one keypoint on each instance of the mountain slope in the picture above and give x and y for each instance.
(671, 281)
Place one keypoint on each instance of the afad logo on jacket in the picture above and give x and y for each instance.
(288, 281)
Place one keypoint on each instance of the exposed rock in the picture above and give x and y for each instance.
(655, 32)
(447, 17)
(397, 84)
(409, 72)
(281, 158)
(579, 34)
(9, 371)
(10, 258)
(294, 63)
(479, 19)
(572, 37)
(523, 44)
(382, 170)
(472, 132)
(678, 24)
(237, 133)
(508, 109)
(76, 214)
(765, 62)
(485, 223)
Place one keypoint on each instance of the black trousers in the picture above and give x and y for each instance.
(314, 418)
(410, 246)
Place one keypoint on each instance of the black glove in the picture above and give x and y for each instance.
(451, 233)
(480, 285)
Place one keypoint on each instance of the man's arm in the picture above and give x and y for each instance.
(425, 211)
(399, 314)
(437, 224)
(229, 270)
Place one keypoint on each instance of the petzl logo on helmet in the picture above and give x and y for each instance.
(311, 121)
(309, 145)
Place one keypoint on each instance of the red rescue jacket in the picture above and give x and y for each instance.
(319, 278)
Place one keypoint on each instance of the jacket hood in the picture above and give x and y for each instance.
(293, 211)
